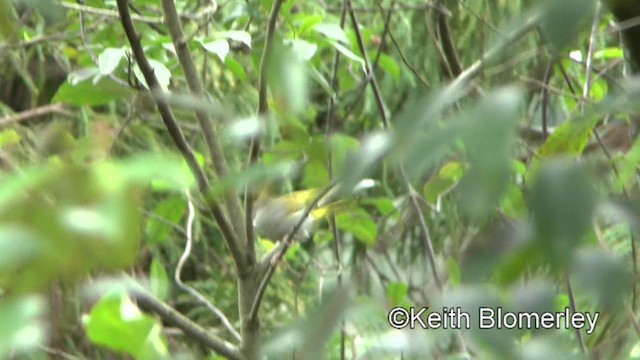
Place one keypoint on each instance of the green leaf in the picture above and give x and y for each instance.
(170, 211)
(346, 52)
(610, 53)
(159, 280)
(453, 270)
(570, 138)
(360, 224)
(236, 68)
(390, 66)
(7, 20)
(384, 205)
(332, 31)
(162, 73)
(117, 323)
(8, 138)
(84, 93)
(397, 292)
(440, 184)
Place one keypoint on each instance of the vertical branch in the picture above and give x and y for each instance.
(263, 110)
(382, 109)
(172, 20)
(176, 134)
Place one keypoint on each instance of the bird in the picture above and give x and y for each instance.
(275, 217)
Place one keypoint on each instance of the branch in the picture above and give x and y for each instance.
(382, 109)
(263, 109)
(33, 113)
(174, 131)
(443, 33)
(156, 20)
(329, 132)
(172, 21)
(195, 331)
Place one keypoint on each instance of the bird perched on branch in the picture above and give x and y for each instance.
(275, 217)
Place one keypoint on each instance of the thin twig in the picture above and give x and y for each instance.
(406, 62)
(178, 274)
(34, 113)
(572, 303)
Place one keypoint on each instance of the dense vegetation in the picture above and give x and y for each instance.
(137, 139)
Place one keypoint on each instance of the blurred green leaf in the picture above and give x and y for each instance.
(117, 323)
(288, 78)
(562, 203)
(603, 277)
(21, 325)
(489, 136)
(303, 49)
(91, 94)
(7, 21)
(8, 138)
(554, 25)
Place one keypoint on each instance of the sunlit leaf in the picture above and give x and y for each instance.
(109, 59)
(219, 47)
